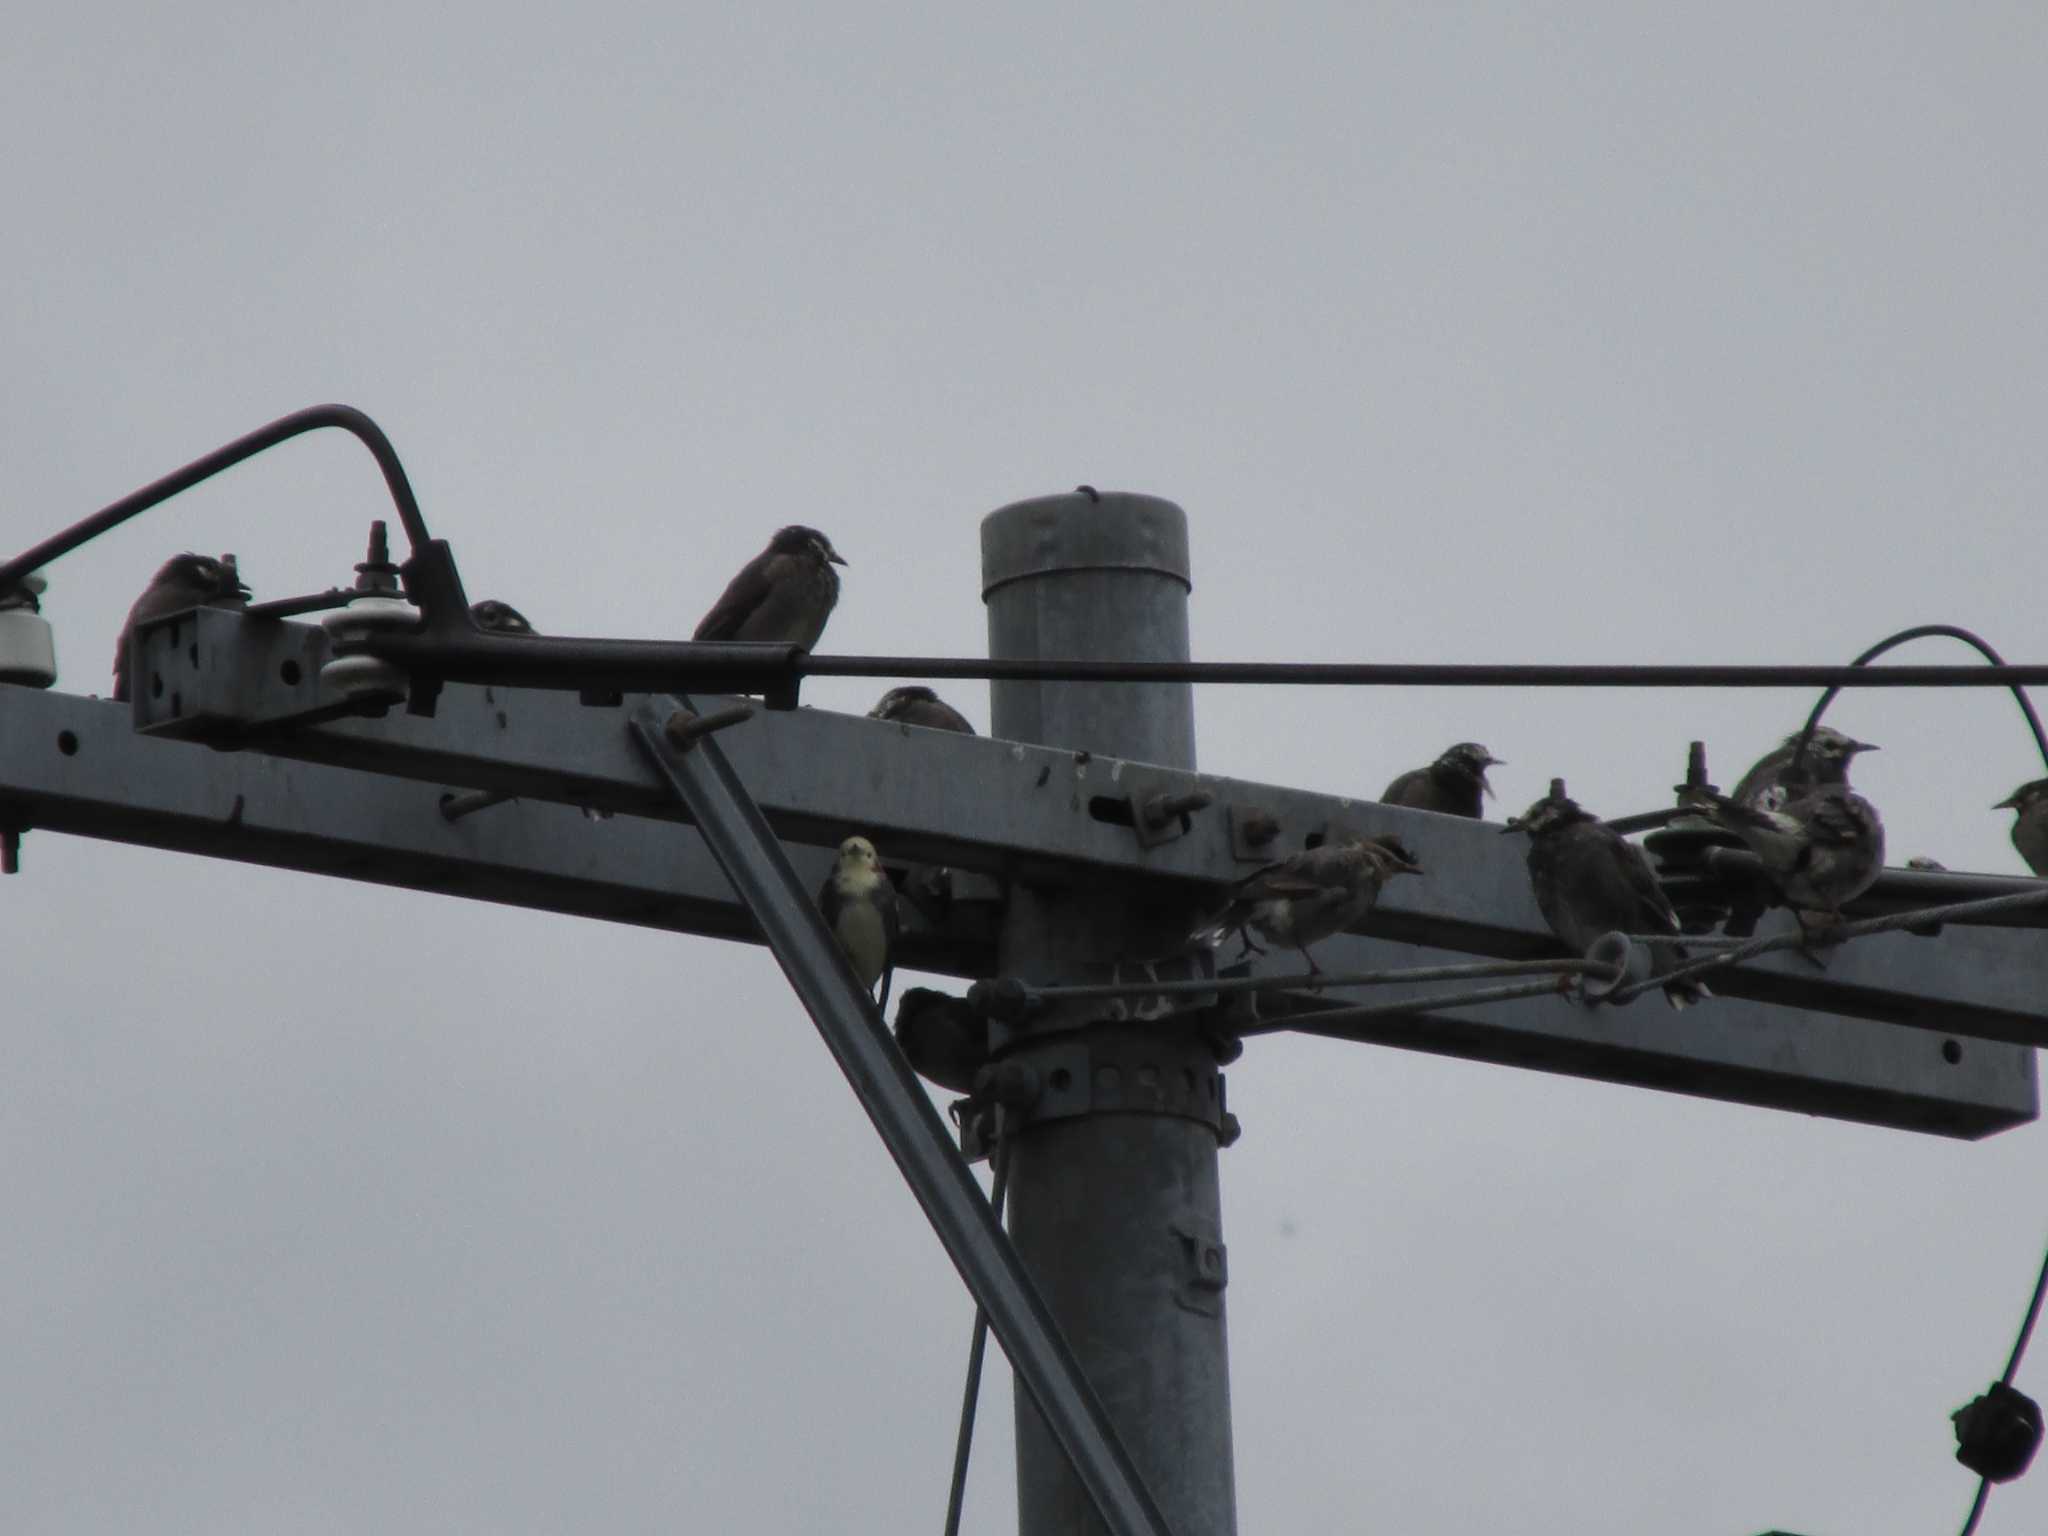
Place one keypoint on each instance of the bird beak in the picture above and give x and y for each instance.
(2010, 803)
(1862, 746)
(1514, 825)
(835, 557)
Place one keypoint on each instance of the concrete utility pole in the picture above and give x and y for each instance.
(1114, 1200)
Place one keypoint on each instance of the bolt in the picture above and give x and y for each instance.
(1161, 809)
(686, 728)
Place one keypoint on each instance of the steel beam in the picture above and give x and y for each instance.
(1010, 809)
(1046, 1369)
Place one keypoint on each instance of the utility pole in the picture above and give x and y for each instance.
(1083, 810)
(1115, 1208)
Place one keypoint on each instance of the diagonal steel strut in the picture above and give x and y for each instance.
(747, 849)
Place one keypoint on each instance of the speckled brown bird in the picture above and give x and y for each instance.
(2030, 826)
(918, 705)
(785, 593)
(1590, 881)
(1454, 785)
(1821, 851)
(496, 618)
(181, 582)
(1770, 784)
(1310, 895)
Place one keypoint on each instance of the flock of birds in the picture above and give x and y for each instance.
(1819, 842)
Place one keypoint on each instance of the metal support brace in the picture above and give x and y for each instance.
(740, 839)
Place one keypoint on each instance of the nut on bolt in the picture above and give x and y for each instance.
(685, 728)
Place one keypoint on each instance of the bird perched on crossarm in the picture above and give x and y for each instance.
(2030, 827)
(1821, 851)
(496, 618)
(1589, 881)
(181, 582)
(785, 593)
(860, 908)
(918, 705)
(1310, 895)
(1771, 784)
(1454, 784)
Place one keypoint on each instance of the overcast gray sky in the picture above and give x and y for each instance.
(1713, 334)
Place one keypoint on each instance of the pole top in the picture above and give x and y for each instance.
(1084, 530)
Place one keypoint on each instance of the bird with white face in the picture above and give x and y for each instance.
(860, 908)
(785, 593)
(181, 582)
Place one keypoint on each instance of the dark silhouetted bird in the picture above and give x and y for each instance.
(183, 581)
(1589, 880)
(942, 1037)
(785, 593)
(918, 705)
(1770, 784)
(1310, 895)
(1454, 784)
(496, 618)
(2030, 827)
(1821, 851)
(860, 908)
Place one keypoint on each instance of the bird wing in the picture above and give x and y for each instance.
(1643, 885)
(745, 593)
(1831, 820)
(1400, 791)
(1762, 778)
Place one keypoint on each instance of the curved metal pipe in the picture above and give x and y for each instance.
(1920, 632)
(346, 417)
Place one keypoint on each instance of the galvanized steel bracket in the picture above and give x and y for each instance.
(1205, 1264)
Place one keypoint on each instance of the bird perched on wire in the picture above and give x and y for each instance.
(785, 593)
(1771, 783)
(496, 618)
(1821, 851)
(860, 908)
(918, 705)
(1590, 881)
(1309, 895)
(1454, 784)
(181, 582)
(2030, 827)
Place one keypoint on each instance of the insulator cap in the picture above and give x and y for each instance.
(366, 677)
(1998, 1433)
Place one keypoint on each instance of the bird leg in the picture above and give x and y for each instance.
(1313, 968)
(1249, 947)
(1817, 932)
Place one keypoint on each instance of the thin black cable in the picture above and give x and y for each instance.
(2019, 1346)
(1977, 1506)
(285, 428)
(2012, 1365)
(970, 1399)
(1924, 632)
(1418, 674)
